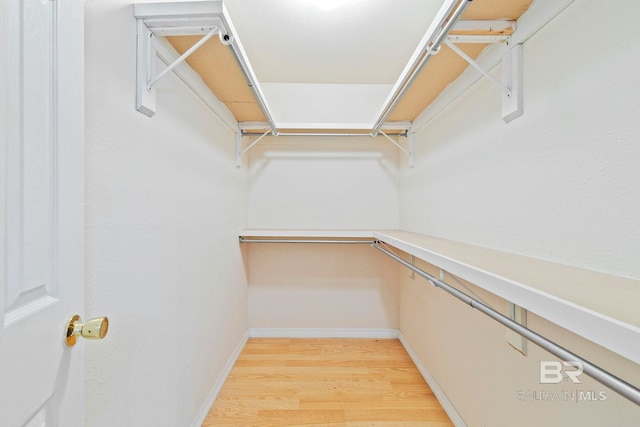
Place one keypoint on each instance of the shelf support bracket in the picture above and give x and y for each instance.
(240, 152)
(238, 149)
(505, 89)
(411, 137)
(145, 67)
(151, 83)
(145, 83)
(511, 84)
(410, 152)
(512, 76)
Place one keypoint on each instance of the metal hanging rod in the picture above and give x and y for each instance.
(302, 240)
(405, 132)
(252, 128)
(615, 383)
(346, 134)
(432, 46)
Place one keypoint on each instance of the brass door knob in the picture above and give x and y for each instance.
(94, 329)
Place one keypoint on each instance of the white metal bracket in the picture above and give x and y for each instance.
(224, 39)
(146, 54)
(238, 149)
(411, 140)
(240, 152)
(511, 84)
(512, 76)
(145, 68)
(411, 145)
(506, 89)
(515, 340)
(171, 19)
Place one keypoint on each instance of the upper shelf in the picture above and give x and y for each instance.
(306, 233)
(483, 23)
(600, 307)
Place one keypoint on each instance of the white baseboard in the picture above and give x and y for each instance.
(448, 407)
(323, 333)
(217, 386)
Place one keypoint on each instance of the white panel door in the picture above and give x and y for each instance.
(41, 211)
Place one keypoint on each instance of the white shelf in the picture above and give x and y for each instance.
(301, 234)
(600, 307)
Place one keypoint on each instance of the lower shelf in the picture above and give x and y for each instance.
(599, 307)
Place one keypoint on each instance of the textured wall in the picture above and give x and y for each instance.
(329, 182)
(164, 203)
(334, 183)
(321, 286)
(559, 183)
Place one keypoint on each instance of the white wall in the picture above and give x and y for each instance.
(321, 286)
(164, 203)
(484, 378)
(559, 183)
(311, 183)
(323, 182)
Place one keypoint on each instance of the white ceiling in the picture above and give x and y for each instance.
(329, 68)
(358, 42)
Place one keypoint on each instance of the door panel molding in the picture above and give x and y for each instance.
(31, 158)
(41, 210)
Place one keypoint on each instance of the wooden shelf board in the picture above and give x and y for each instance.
(220, 72)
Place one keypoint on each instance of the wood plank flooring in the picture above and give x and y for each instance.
(325, 382)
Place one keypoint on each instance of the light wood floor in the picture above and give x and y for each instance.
(325, 382)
